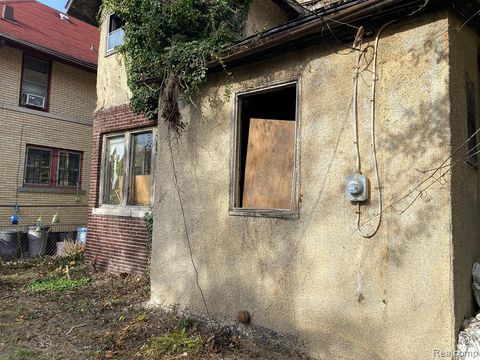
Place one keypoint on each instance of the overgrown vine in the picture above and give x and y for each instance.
(167, 46)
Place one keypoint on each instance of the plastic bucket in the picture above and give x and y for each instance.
(82, 235)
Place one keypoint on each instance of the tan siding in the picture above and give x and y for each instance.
(10, 78)
(39, 130)
(72, 91)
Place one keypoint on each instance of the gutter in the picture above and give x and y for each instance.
(310, 25)
(66, 58)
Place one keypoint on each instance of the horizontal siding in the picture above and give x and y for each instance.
(72, 90)
(43, 131)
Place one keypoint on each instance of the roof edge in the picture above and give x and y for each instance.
(60, 56)
(354, 10)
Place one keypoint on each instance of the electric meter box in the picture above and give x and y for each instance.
(356, 187)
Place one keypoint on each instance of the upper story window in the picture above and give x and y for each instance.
(115, 32)
(35, 82)
(52, 167)
(127, 169)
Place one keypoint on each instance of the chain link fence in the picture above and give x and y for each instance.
(20, 242)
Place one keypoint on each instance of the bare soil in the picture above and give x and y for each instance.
(106, 319)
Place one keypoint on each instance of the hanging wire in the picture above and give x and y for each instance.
(358, 45)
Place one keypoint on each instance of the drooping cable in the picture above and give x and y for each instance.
(372, 134)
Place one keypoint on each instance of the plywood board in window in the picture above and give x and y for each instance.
(269, 164)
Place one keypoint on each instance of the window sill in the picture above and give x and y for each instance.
(267, 213)
(110, 52)
(129, 211)
(50, 190)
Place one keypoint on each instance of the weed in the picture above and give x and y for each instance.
(57, 284)
(175, 343)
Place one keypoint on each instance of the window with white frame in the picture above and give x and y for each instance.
(127, 169)
(115, 32)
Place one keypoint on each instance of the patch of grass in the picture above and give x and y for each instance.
(20, 354)
(176, 343)
(60, 284)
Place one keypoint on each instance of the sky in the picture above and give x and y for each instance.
(56, 4)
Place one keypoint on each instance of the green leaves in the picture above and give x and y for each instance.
(172, 40)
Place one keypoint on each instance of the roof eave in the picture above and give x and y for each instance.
(55, 54)
(310, 25)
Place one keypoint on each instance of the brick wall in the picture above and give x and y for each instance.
(118, 243)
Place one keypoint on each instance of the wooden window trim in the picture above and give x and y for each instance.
(54, 166)
(293, 212)
(128, 161)
(49, 82)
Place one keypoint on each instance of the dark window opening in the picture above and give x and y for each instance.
(472, 125)
(266, 149)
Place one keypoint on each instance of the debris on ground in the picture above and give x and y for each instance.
(58, 308)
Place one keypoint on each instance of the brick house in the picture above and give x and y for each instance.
(121, 180)
(48, 64)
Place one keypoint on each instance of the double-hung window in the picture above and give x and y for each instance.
(51, 167)
(35, 78)
(126, 173)
(115, 32)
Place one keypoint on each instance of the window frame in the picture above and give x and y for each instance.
(112, 209)
(79, 169)
(235, 163)
(46, 108)
(113, 50)
(53, 169)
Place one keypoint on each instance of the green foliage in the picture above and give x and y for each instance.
(172, 41)
(148, 218)
(59, 284)
(175, 343)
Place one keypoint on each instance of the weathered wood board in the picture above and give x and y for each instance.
(269, 164)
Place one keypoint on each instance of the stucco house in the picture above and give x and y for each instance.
(253, 191)
(48, 63)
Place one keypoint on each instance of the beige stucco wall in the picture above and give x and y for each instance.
(300, 277)
(112, 88)
(66, 125)
(263, 15)
(464, 57)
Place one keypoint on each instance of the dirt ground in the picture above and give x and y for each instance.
(104, 319)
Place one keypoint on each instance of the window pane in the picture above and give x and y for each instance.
(115, 39)
(35, 89)
(68, 169)
(114, 164)
(37, 169)
(35, 81)
(36, 64)
(141, 168)
(115, 23)
(35, 77)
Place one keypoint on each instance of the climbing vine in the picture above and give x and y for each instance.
(167, 46)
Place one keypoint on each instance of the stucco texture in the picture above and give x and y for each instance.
(112, 87)
(301, 277)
